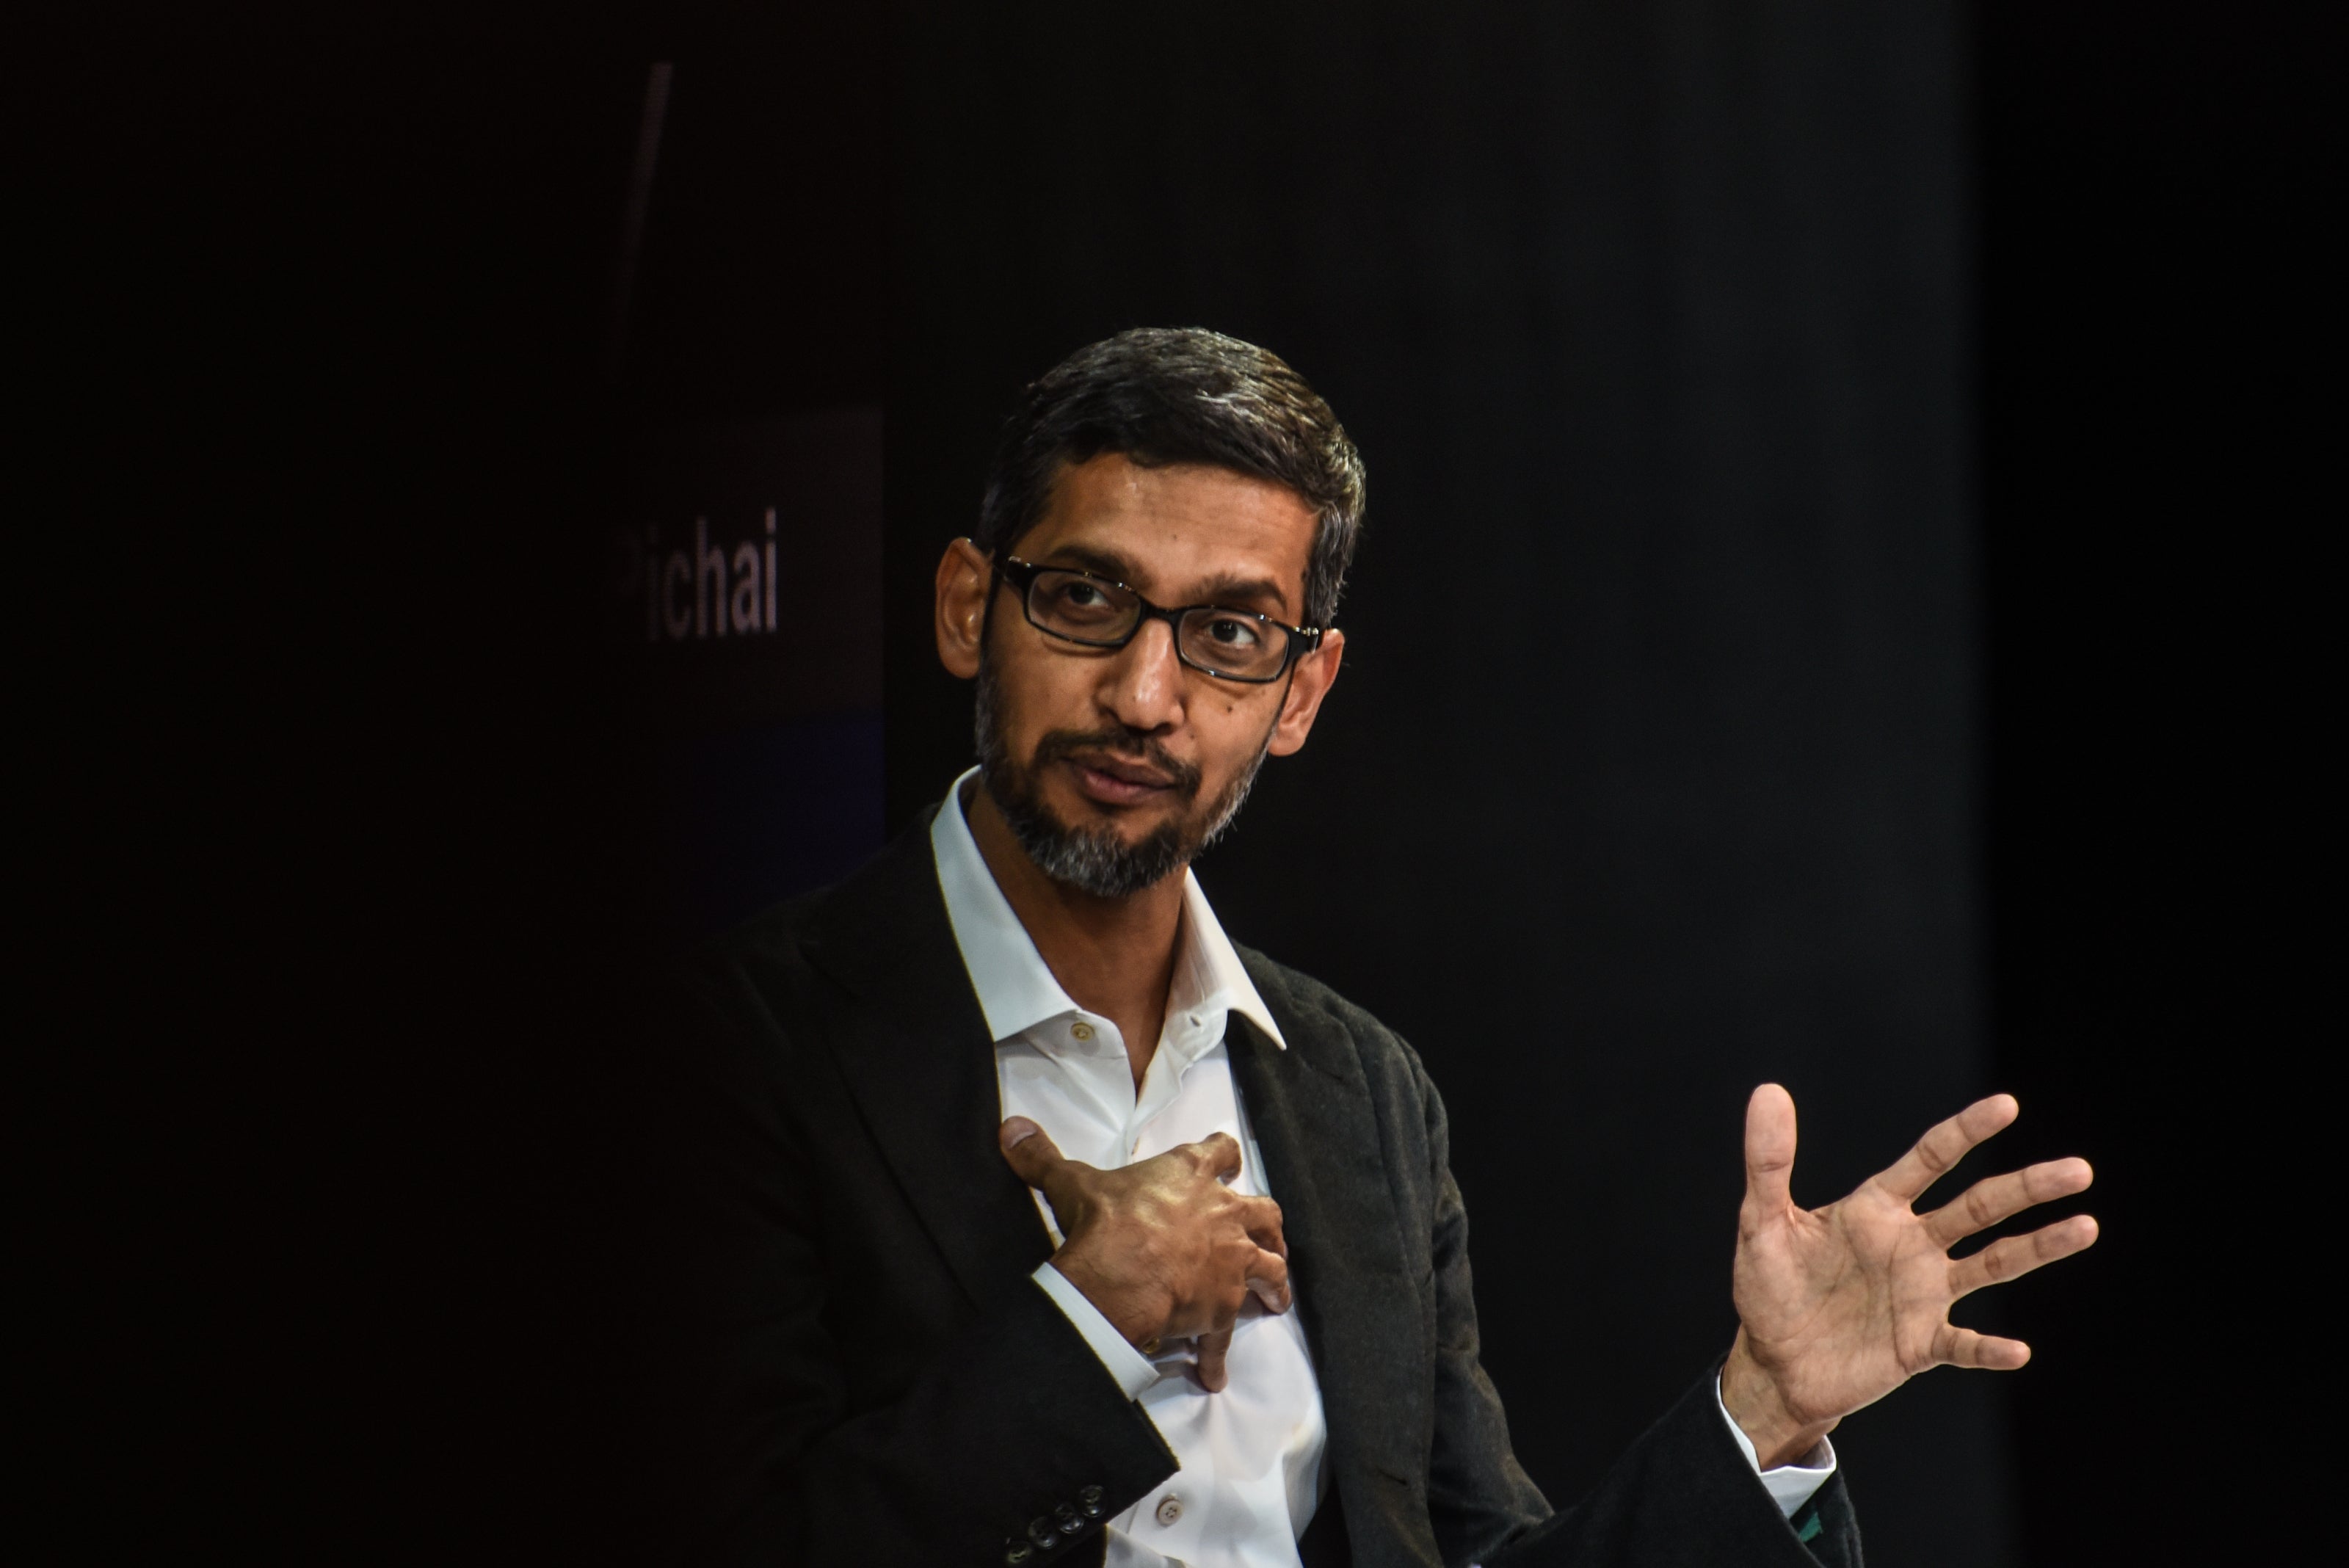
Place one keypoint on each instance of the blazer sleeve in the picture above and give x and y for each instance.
(1682, 1493)
(757, 1444)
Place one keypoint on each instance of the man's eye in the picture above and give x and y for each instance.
(1232, 633)
(1081, 595)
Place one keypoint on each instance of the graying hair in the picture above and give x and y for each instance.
(1183, 394)
(1098, 864)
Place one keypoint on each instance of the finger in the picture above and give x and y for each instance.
(1955, 1346)
(1032, 1155)
(1213, 1349)
(2016, 1256)
(1997, 1197)
(1770, 1147)
(1268, 1278)
(1261, 1216)
(1028, 1148)
(1945, 1145)
(1217, 1155)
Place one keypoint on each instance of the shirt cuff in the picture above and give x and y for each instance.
(1790, 1486)
(1128, 1366)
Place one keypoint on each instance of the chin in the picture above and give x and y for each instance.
(1129, 825)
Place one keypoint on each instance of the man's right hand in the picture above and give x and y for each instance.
(1162, 1247)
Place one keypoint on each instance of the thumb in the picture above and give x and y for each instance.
(1770, 1147)
(1037, 1160)
(1028, 1149)
(1213, 1349)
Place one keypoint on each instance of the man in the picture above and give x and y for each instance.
(1019, 1217)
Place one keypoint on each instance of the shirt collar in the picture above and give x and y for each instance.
(1016, 988)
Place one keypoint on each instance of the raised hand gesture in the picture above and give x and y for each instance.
(1838, 1306)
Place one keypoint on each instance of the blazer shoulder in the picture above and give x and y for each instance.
(774, 936)
(887, 907)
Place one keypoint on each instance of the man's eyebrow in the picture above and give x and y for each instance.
(1229, 588)
(1240, 592)
(1103, 562)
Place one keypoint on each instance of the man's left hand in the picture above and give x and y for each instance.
(1839, 1306)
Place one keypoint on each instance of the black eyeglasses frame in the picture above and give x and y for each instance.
(1022, 574)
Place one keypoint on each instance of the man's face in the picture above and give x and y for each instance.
(1116, 765)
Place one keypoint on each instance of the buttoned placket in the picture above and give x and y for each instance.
(1067, 1068)
(1091, 1049)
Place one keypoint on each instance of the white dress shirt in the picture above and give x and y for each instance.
(1250, 1455)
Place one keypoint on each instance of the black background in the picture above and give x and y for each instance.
(1886, 441)
(1651, 327)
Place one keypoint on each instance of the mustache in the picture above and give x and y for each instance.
(1060, 746)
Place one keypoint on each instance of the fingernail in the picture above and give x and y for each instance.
(1018, 1130)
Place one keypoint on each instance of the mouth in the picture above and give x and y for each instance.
(1114, 781)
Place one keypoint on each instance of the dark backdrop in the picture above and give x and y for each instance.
(2160, 392)
(1652, 325)
(1878, 440)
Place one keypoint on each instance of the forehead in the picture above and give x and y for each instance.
(1179, 528)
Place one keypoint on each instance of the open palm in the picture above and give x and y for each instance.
(1840, 1305)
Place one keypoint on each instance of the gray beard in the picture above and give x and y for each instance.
(1094, 862)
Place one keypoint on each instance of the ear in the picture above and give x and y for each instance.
(965, 575)
(1308, 682)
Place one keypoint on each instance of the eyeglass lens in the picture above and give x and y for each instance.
(1085, 609)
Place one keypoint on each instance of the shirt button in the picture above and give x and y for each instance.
(1170, 1508)
(1082, 1031)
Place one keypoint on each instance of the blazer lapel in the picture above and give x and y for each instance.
(914, 1049)
(1317, 1130)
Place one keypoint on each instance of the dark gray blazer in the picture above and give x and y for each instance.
(844, 1361)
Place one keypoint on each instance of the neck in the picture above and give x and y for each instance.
(1115, 956)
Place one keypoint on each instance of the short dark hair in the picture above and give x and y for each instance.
(1182, 394)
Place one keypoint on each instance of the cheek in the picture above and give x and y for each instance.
(1230, 728)
(1042, 692)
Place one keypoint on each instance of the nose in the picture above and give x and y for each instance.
(1142, 686)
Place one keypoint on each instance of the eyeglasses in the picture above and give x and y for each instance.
(1228, 644)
